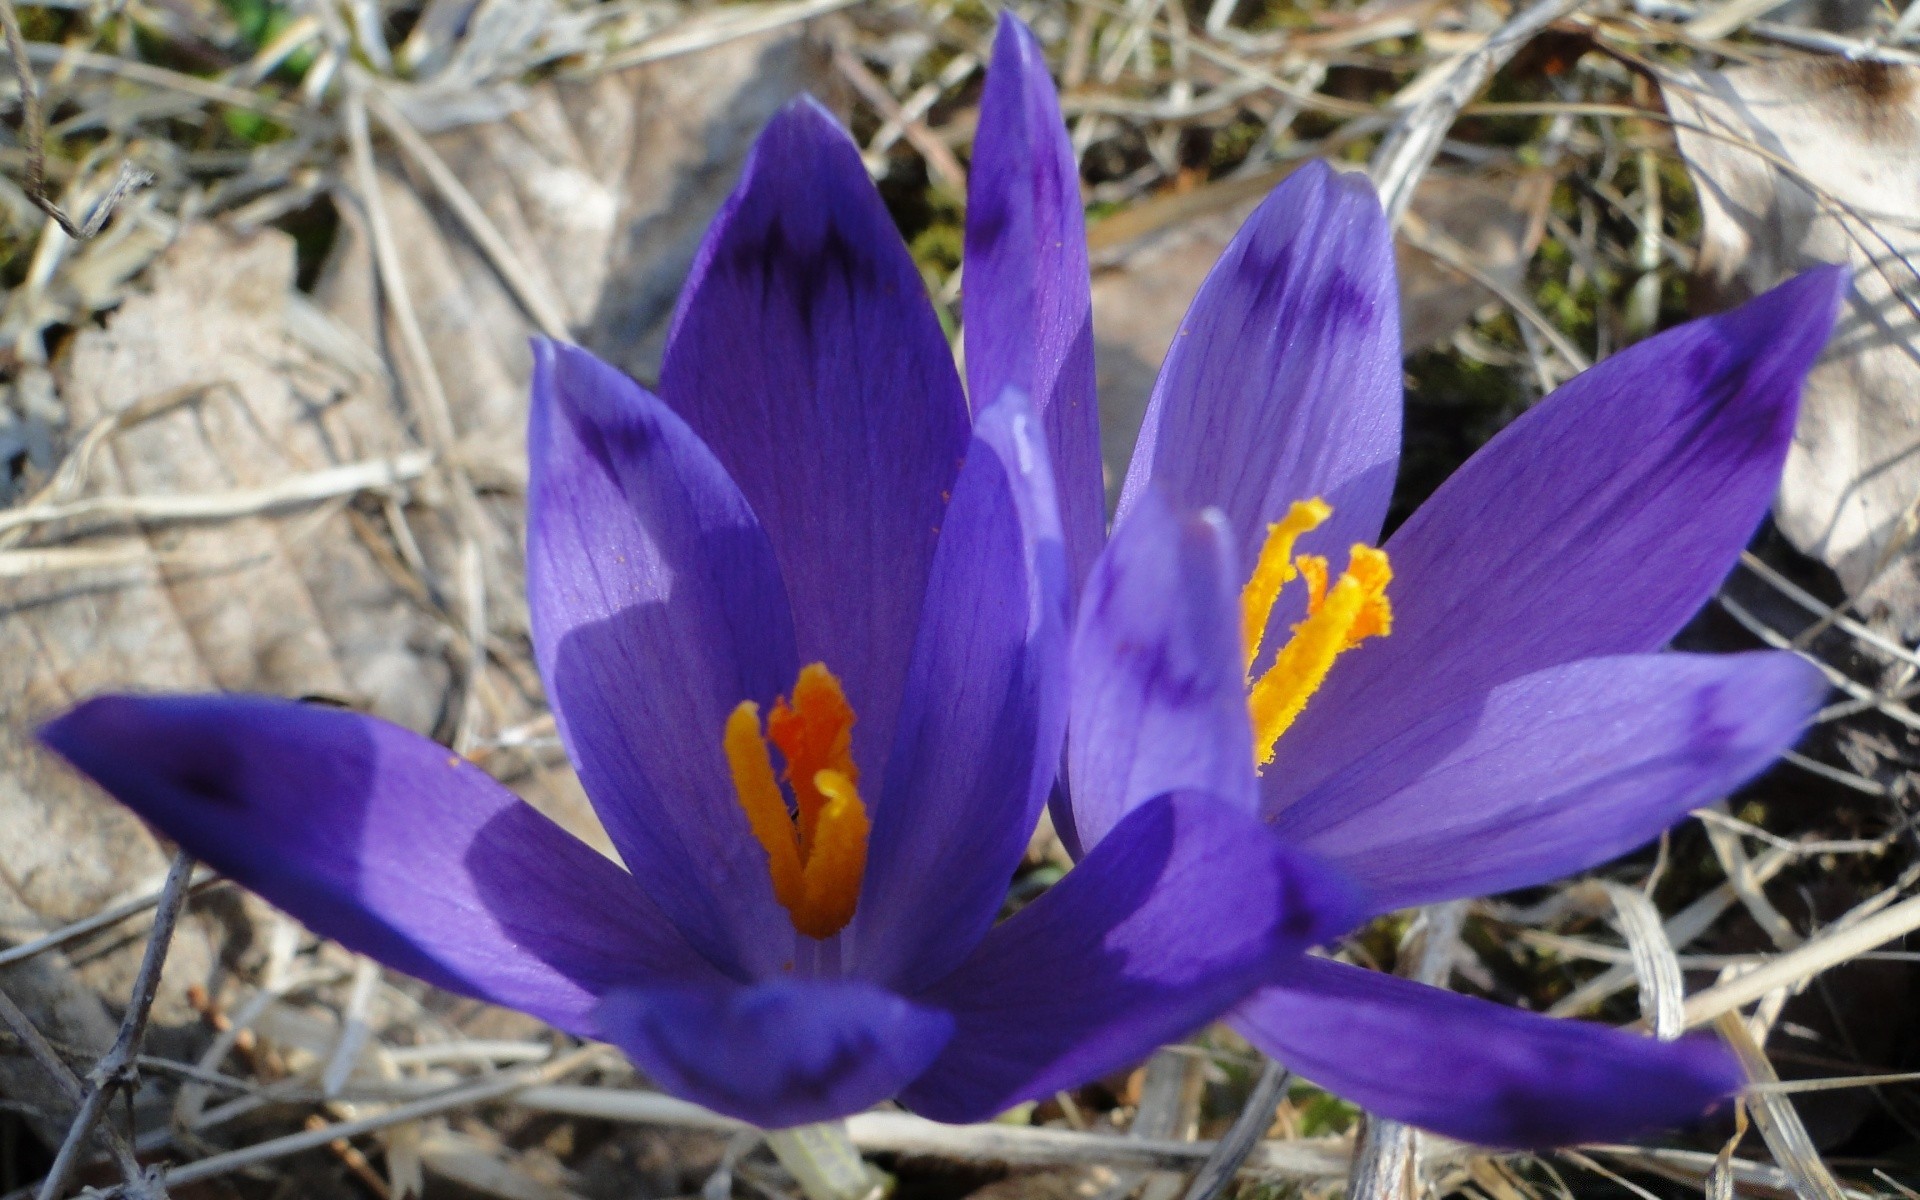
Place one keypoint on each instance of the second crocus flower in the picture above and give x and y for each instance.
(1475, 706)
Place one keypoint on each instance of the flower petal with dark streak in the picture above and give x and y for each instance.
(1186, 907)
(1283, 382)
(388, 843)
(1477, 1071)
(979, 736)
(806, 353)
(1597, 523)
(1028, 304)
(776, 1054)
(1554, 772)
(1159, 689)
(656, 608)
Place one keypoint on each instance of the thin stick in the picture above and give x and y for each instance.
(1830, 949)
(1415, 138)
(63, 1077)
(33, 136)
(116, 1069)
(97, 922)
(502, 1085)
(1232, 1150)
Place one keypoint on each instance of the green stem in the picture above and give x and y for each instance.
(823, 1161)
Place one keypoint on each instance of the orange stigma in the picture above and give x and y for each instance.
(1339, 617)
(817, 850)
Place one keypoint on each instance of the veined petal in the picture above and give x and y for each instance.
(386, 842)
(656, 608)
(1477, 1071)
(1284, 380)
(776, 1054)
(806, 354)
(979, 737)
(1553, 772)
(1595, 524)
(1158, 685)
(1028, 304)
(1181, 911)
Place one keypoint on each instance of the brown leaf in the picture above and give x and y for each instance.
(1803, 163)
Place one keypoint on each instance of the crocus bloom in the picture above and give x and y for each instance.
(807, 540)
(1474, 707)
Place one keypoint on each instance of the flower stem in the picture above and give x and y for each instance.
(823, 1161)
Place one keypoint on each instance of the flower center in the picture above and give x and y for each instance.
(1339, 618)
(817, 848)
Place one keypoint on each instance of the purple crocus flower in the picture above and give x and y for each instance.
(805, 539)
(1474, 707)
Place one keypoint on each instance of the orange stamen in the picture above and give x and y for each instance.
(817, 852)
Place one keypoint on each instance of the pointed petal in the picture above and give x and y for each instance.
(1183, 909)
(386, 842)
(1028, 303)
(1553, 772)
(807, 355)
(656, 608)
(980, 732)
(1284, 380)
(1159, 690)
(777, 1054)
(1597, 523)
(1477, 1071)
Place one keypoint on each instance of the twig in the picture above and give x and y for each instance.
(33, 136)
(100, 920)
(63, 1077)
(1415, 138)
(1818, 954)
(498, 1087)
(116, 1068)
(237, 502)
(1232, 1149)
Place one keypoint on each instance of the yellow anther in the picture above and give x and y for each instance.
(1340, 615)
(817, 852)
(1274, 570)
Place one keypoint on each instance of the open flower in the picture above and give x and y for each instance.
(1474, 707)
(806, 546)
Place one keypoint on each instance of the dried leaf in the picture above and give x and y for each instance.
(1803, 163)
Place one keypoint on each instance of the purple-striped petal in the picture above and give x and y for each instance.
(1158, 684)
(777, 1054)
(1284, 380)
(1477, 1071)
(980, 731)
(806, 354)
(1595, 524)
(386, 842)
(1028, 304)
(656, 608)
(1177, 915)
(1553, 772)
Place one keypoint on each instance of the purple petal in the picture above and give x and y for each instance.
(1028, 305)
(777, 1054)
(980, 731)
(656, 608)
(1477, 1071)
(1553, 772)
(1284, 380)
(1159, 690)
(1185, 907)
(384, 841)
(806, 353)
(1595, 524)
